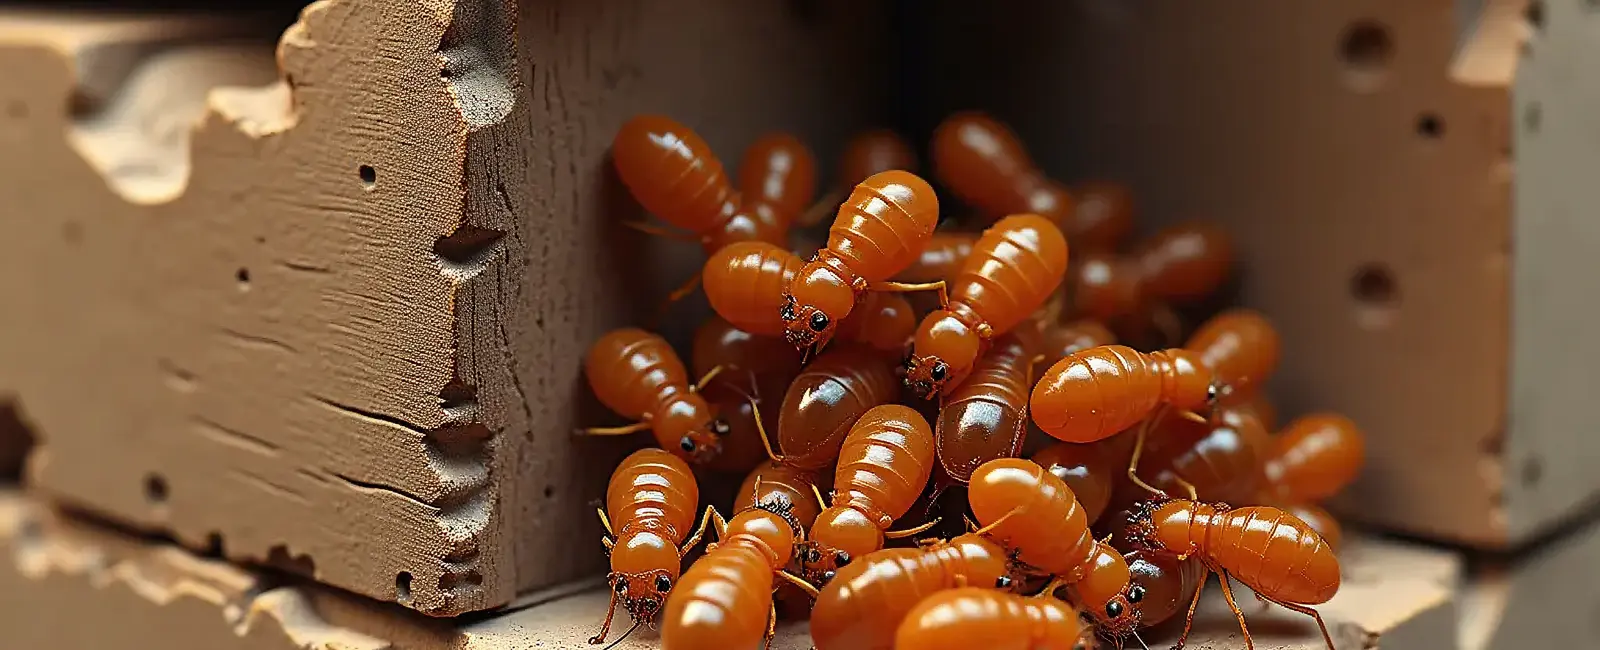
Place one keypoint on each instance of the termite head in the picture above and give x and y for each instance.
(944, 351)
(839, 535)
(1105, 590)
(689, 427)
(644, 567)
(1141, 529)
(817, 301)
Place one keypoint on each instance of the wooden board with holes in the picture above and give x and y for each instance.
(141, 594)
(1404, 183)
(317, 297)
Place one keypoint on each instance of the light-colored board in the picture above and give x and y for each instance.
(322, 305)
(1546, 596)
(1354, 148)
(70, 585)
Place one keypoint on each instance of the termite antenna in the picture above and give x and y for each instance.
(625, 635)
(1140, 639)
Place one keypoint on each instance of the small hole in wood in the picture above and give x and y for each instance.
(369, 176)
(71, 232)
(1373, 284)
(1430, 126)
(1532, 117)
(243, 276)
(1535, 14)
(402, 587)
(549, 491)
(1532, 472)
(1366, 49)
(155, 489)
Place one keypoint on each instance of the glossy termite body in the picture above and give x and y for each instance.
(963, 619)
(1241, 347)
(827, 398)
(1314, 458)
(1034, 513)
(864, 602)
(1319, 520)
(1179, 264)
(1169, 584)
(984, 164)
(1014, 268)
(744, 283)
(1274, 553)
(725, 598)
(1098, 392)
(883, 466)
(778, 176)
(879, 230)
(986, 417)
(754, 366)
(865, 154)
(650, 510)
(1062, 341)
(637, 375)
(774, 481)
(1102, 216)
(1220, 458)
(1089, 470)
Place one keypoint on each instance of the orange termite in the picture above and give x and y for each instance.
(1098, 392)
(983, 163)
(1014, 267)
(1034, 513)
(962, 619)
(869, 152)
(755, 366)
(864, 601)
(1242, 347)
(986, 417)
(650, 505)
(1272, 552)
(878, 232)
(1088, 470)
(725, 598)
(883, 466)
(637, 375)
(772, 480)
(946, 253)
(1314, 458)
(1102, 215)
(1177, 265)
(778, 174)
(827, 398)
(1062, 341)
(1319, 520)
(744, 283)
(1220, 459)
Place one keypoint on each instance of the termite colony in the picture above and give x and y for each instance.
(950, 434)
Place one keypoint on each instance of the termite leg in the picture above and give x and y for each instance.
(1193, 605)
(897, 534)
(1227, 594)
(936, 285)
(672, 298)
(605, 628)
(799, 582)
(996, 522)
(755, 413)
(1187, 487)
(1193, 417)
(706, 378)
(817, 492)
(1138, 450)
(971, 525)
(710, 515)
(1050, 587)
(606, 542)
(605, 521)
(615, 431)
(658, 231)
(1326, 638)
(772, 623)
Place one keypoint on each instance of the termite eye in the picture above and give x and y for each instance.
(1136, 594)
(786, 311)
(1002, 582)
(938, 371)
(1211, 393)
(841, 558)
(686, 444)
(720, 428)
(1113, 609)
(819, 321)
(663, 584)
(621, 586)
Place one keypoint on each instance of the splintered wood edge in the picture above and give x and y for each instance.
(1394, 596)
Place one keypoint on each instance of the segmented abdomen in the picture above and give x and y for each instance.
(632, 371)
(1275, 554)
(722, 601)
(960, 619)
(1014, 267)
(885, 224)
(745, 283)
(827, 398)
(886, 459)
(1053, 532)
(986, 416)
(941, 259)
(672, 172)
(779, 170)
(653, 484)
(860, 608)
(1096, 393)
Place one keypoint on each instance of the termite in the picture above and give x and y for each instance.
(1062, 341)
(1098, 392)
(1319, 520)
(1034, 513)
(863, 602)
(1268, 550)
(884, 464)
(1014, 267)
(725, 598)
(778, 175)
(637, 375)
(867, 153)
(879, 230)
(1179, 264)
(650, 507)
(1259, 406)
(1219, 458)
(1314, 458)
(758, 364)
(1168, 584)
(883, 321)
(986, 417)
(827, 398)
(773, 480)
(1241, 347)
(947, 251)
(1102, 216)
(984, 164)
(962, 619)
(1089, 470)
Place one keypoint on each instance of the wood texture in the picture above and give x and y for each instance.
(323, 307)
(150, 595)
(1363, 155)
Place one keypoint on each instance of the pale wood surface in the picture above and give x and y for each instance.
(322, 304)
